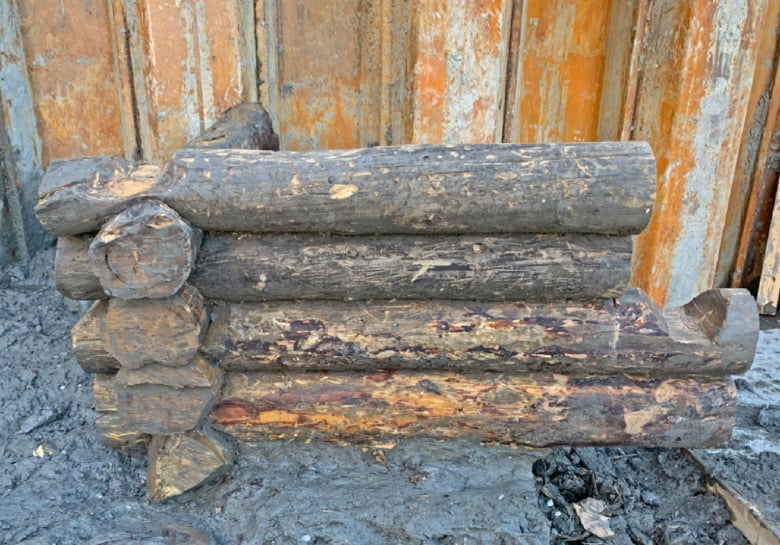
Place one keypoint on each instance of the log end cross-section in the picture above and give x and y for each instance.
(147, 251)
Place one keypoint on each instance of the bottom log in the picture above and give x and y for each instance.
(538, 410)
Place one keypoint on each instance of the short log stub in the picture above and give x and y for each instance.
(167, 331)
(147, 251)
(162, 400)
(72, 272)
(115, 431)
(534, 410)
(89, 348)
(185, 461)
(244, 126)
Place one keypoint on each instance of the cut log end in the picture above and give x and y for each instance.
(244, 126)
(147, 251)
(89, 348)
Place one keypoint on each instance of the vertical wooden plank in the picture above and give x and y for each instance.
(696, 75)
(70, 64)
(460, 70)
(123, 78)
(750, 207)
(268, 51)
(769, 288)
(560, 69)
(22, 153)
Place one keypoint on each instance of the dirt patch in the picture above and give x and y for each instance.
(59, 485)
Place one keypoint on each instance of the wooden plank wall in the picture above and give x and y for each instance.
(139, 78)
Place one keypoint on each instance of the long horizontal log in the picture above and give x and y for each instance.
(245, 267)
(533, 410)
(604, 337)
(603, 187)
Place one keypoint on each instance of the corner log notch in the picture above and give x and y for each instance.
(603, 337)
(603, 187)
(248, 267)
(532, 410)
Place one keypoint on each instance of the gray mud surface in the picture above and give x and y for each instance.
(59, 485)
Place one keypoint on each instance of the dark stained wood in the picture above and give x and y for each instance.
(603, 337)
(72, 273)
(163, 400)
(603, 187)
(145, 331)
(114, 430)
(241, 267)
(183, 462)
(146, 251)
(532, 410)
(89, 347)
(244, 126)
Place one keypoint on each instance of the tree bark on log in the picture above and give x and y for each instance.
(185, 461)
(245, 267)
(603, 337)
(524, 267)
(146, 251)
(532, 410)
(89, 346)
(147, 331)
(603, 187)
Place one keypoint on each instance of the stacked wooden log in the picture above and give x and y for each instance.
(373, 294)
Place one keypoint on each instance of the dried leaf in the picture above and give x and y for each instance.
(589, 512)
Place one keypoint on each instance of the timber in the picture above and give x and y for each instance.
(603, 187)
(72, 271)
(146, 251)
(244, 126)
(532, 410)
(144, 331)
(247, 267)
(182, 462)
(161, 400)
(89, 346)
(597, 337)
(115, 431)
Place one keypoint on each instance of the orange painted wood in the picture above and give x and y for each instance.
(696, 76)
(71, 71)
(560, 69)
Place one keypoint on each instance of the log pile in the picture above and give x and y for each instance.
(368, 295)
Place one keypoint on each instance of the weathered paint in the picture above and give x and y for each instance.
(696, 77)
(460, 70)
(70, 65)
(20, 128)
(560, 70)
(755, 181)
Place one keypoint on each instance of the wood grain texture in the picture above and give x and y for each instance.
(161, 400)
(72, 273)
(114, 430)
(538, 410)
(146, 251)
(138, 332)
(89, 347)
(185, 461)
(244, 126)
(524, 267)
(715, 334)
(491, 188)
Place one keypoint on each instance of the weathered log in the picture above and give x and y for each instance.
(114, 430)
(182, 462)
(246, 267)
(532, 410)
(146, 251)
(603, 187)
(602, 337)
(89, 347)
(72, 273)
(145, 331)
(244, 126)
(524, 267)
(77, 196)
(163, 400)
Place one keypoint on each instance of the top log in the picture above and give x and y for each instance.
(602, 187)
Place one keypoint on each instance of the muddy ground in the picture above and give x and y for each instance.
(59, 485)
